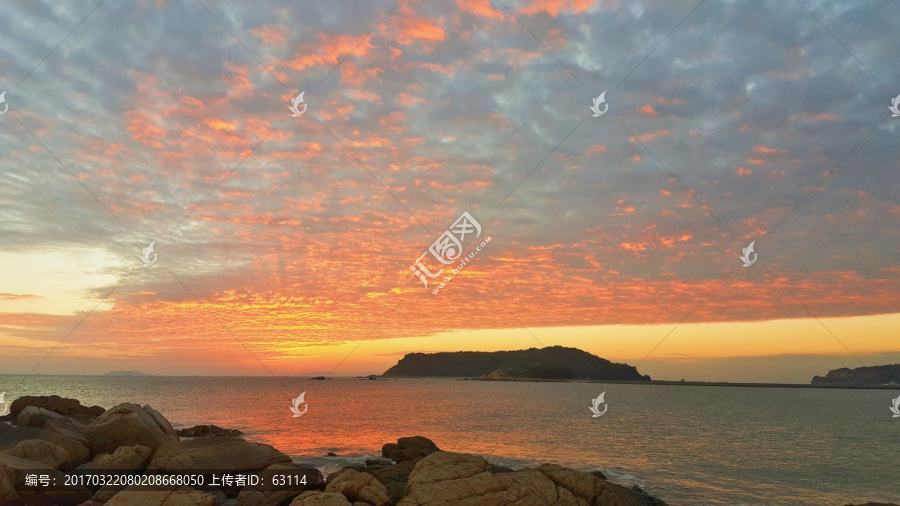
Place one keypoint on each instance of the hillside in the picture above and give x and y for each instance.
(879, 375)
(555, 362)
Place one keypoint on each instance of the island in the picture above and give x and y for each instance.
(874, 376)
(124, 373)
(551, 363)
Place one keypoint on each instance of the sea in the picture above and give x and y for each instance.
(686, 444)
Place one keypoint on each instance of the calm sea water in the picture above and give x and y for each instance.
(684, 444)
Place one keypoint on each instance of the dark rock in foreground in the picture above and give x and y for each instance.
(60, 405)
(874, 376)
(132, 438)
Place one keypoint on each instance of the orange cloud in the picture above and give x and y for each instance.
(415, 28)
(554, 7)
(272, 33)
(329, 50)
(768, 151)
(649, 110)
(479, 8)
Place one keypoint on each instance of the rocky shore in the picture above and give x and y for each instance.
(60, 437)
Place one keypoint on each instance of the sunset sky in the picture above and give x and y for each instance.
(285, 243)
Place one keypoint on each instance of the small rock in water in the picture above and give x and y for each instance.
(331, 454)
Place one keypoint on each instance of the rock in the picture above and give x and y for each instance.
(43, 451)
(182, 496)
(409, 448)
(443, 466)
(320, 499)
(360, 487)
(331, 454)
(501, 469)
(256, 496)
(11, 436)
(33, 416)
(599, 474)
(378, 462)
(9, 495)
(226, 454)
(61, 405)
(129, 425)
(595, 490)
(318, 378)
(208, 431)
(393, 477)
(125, 458)
(457, 479)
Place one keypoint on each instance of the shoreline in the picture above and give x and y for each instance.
(467, 378)
(131, 454)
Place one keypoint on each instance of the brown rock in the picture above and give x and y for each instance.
(360, 487)
(57, 404)
(442, 466)
(595, 490)
(227, 454)
(39, 450)
(256, 496)
(128, 425)
(125, 458)
(393, 477)
(8, 495)
(11, 436)
(409, 448)
(320, 499)
(459, 479)
(182, 496)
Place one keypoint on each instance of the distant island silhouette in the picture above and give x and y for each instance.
(551, 363)
(874, 376)
(124, 373)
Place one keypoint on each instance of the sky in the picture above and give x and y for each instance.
(283, 243)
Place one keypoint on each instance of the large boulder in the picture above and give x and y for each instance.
(409, 448)
(9, 495)
(125, 458)
(594, 490)
(360, 487)
(12, 436)
(182, 496)
(262, 496)
(443, 466)
(39, 450)
(61, 405)
(226, 454)
(128, 425)
(460, 479)
(317, 498)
